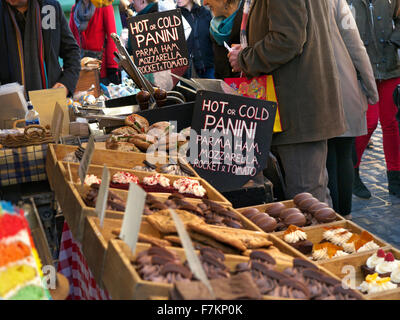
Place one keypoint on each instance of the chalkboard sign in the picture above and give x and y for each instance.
(230, 138)
(158, 41)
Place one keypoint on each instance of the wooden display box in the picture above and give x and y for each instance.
(111, 158)
(87, 78)
(122, 281)
(95, 241)
(315, 235)
(97, 170)
(288, 204)
(356, 261)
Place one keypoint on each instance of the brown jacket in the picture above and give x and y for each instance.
(290, 39)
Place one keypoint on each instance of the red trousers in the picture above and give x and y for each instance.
(385, 111)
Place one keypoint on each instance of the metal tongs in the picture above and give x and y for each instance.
(131, 69)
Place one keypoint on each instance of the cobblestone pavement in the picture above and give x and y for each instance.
(380, 214)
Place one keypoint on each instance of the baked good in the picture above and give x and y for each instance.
(373, 284)
(137, 122)
(20, 266)
(190, 186)
(142, 141)
(297, 238)
(237, 238)
(116, 143)
(114, 202)
(372, 262)
(274, 209)
(164, 223)
(324, 215)
(327, 250)
(337, 235)
(297, 219)
(161, 265)
(124, 131)
(160, 128)
(121, 180)
(300, 197)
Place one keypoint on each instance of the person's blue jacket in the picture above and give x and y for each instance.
(199, 42)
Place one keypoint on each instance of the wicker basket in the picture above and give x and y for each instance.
(33, 135)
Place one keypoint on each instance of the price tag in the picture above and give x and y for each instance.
(86, 159)
(133, 216)
(101, 203)
(57, 123)
(191, 256)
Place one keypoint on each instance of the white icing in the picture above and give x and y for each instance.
(295, 236)
(386, 267)
(321, 254)
(349, 247)
(395, 276)
(91, 178)
(374, 260)
(156, 179)
(124, 178)
(374, 286)
(340, 253)
(368, 246)
(192, 186)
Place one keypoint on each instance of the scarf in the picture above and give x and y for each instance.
(221, 28)
(25, 59)
(83, 14)
(147, 9)
(243, 32)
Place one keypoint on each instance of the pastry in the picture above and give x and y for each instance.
(297, 219)
(307, 203)
(240, 239)
(190, 186)
(137, 122)
(300, 197)
(275, 209)
(115, 143)
(297, 238)
(124, 131)
(373, 284)
(163, 222)
(121, 180)
(327, 250)
(114, 202)
(143, 99)
(325, 215)
(372, 262)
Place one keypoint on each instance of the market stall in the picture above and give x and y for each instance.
(155, 194)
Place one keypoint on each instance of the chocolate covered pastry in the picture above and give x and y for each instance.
(213, 264)
(114, 202)
(161, 265)
(297, 238)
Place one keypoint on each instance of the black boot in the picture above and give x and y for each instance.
(359, 189)
(394, 182)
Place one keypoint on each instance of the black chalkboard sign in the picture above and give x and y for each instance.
(230, 138)
(158, 41)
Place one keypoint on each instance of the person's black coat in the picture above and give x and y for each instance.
(58, 42)
(223, 68)
(199, 42)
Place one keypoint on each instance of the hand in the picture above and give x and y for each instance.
(60, 85)
(234, 57)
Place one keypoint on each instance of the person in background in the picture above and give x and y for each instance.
(378, 22)
(199, 42)
(124, 6)
(351, 56)
(30, 48)
(92, 28)
(224, 27)
(291, 40)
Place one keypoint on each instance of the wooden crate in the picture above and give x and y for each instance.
(124, 283)
(111, 158)
(315, 235)
(288, 204)
(357, 260)
(95, 241)
(212, 193)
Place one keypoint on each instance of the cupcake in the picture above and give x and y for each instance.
(373, 284)
(297, 238)
(371, 263)
(387, 266)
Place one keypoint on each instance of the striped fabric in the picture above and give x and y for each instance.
(20, 165)
(246, 10)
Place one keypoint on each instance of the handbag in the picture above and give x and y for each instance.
(261, 87)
